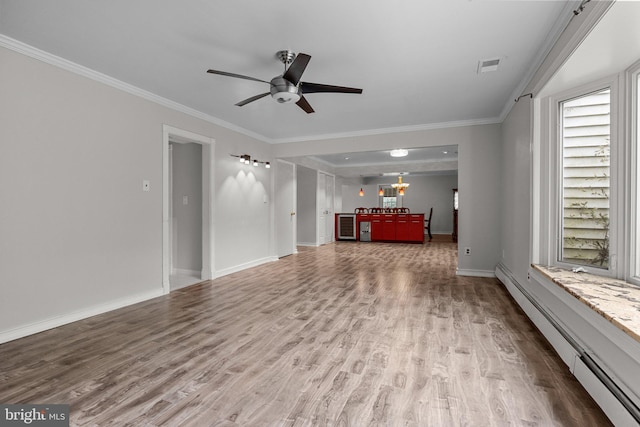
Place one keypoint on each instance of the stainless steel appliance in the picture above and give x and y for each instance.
(365, 231)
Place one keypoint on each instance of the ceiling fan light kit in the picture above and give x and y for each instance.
(288, 88)
(283, 91)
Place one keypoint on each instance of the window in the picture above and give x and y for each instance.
(588, 178)
(586, 171)
(389, 198)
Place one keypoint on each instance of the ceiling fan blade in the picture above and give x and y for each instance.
(239, 76)
(306, 87)
(296, 68)
(253, 98)
(304, 104)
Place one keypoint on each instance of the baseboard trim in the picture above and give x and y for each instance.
(56, 321)
(240, 267)
(185, 272)
(475, 273)
(308, 244)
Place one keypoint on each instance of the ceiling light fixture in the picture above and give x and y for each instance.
(283, 91)
(400, 152)
(400, 186)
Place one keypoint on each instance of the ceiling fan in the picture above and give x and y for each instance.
(288, 87)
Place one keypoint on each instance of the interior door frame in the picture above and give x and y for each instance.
(176, 135)
(329, 215)
(282, 210)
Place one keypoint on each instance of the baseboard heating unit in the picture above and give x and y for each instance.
(619, 401)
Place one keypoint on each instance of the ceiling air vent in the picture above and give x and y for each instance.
(488, 65)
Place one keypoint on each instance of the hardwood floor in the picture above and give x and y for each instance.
(348, 334)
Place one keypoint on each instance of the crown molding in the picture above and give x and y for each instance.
(48, 58)
(566, 16)
(56, 61)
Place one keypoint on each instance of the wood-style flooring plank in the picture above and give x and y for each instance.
(347, 334)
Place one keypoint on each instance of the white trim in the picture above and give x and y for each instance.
(282, 210)
(56, 321)
(385, 131)
(577, 29)
(474, 273)
(185, 272)
(46, 57)
(552, 37)
(632, 178)
(554, 166)
(308, 244)
(56, 61)
(245, 266)
(170, 133)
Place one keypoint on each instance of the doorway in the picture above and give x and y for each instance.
(285, 208)
(325, 202)
(170, 258)
(185, 214)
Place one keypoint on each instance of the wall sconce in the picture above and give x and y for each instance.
(246, 159)
(361, 192)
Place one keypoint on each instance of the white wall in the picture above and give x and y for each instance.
(79, 236)
(306, 216)
(515, 204)
(351, 198)
(187, 217)
(424, 192)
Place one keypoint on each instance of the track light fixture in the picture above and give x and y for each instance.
(246, 159)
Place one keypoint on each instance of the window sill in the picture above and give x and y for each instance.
(615, 300)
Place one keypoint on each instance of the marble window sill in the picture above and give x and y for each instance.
(615, 300)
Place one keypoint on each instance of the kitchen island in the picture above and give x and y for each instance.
(380, 227)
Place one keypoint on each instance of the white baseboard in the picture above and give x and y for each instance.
(244, 266)
(310, 244)
(475, 273)
(185, 272)
(54, 322)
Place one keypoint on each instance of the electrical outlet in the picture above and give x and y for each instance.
(146, 185)
(467, 251)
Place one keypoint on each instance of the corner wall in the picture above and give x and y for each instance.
(79, 235)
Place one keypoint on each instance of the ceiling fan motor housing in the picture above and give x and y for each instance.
(284, 91)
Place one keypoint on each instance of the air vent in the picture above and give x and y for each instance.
(488, 65)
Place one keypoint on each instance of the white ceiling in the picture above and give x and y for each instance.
(426, 160)
(416, 60)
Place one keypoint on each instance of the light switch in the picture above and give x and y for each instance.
(146, 185)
